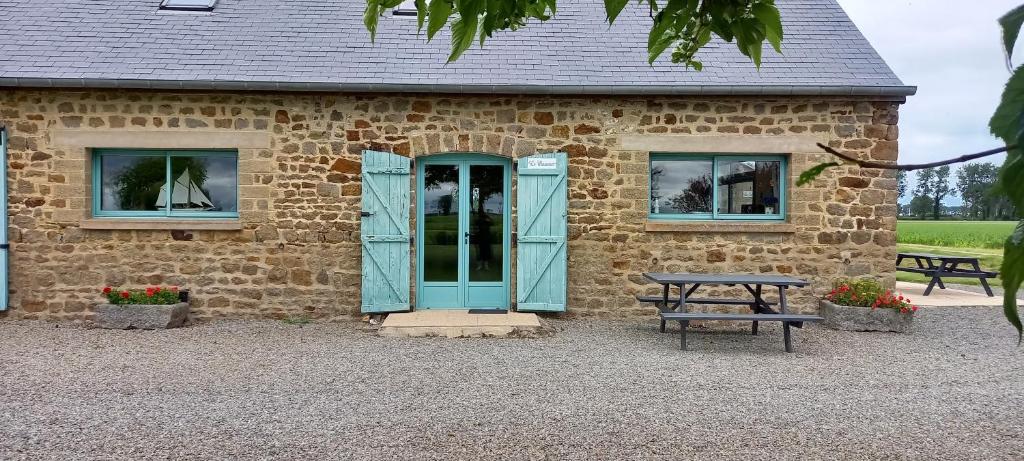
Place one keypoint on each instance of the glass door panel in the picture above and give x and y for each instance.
(486, 222)
(441, 236)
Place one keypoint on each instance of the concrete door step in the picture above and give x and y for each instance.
(452, 323)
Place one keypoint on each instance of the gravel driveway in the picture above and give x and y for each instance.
(953, 389)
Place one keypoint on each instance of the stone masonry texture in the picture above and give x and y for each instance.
(298, 251)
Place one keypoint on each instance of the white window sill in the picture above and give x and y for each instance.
(753, 227)
(160, 224)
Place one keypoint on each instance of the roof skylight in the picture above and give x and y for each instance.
(406, 8)
(188, 5)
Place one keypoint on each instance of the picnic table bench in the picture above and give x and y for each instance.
(948, 266)
(675, 308)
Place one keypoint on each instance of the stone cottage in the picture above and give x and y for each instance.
(271, 159)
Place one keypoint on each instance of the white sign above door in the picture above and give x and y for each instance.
(541, 163)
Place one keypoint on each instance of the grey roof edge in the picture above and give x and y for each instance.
(888, 92)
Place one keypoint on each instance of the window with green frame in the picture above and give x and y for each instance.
(726, 187)
(143, 183)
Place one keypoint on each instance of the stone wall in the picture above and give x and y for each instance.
(297, 248)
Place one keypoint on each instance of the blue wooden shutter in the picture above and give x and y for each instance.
(541, 256)
(384, 227)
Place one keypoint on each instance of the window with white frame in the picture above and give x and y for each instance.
(684, 186)
(142, 183)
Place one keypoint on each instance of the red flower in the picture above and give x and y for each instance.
(913, 308)
(174, 288)
(125, 294)
(107, 290)
(156, 289)
(149, 291)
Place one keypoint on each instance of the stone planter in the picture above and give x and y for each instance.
(855, 318)
(141, 316)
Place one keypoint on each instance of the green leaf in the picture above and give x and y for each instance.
(1012, 274)
(772, 20)
(421, 13)
(370, 17)
(1006, 120)
(1010, 175)
(375, 8)
(440, 11)
(463, 32)
(1011, 23)
(1007, 124)
(653, 51)
(613, 8)
(812, 173)
(754, 51)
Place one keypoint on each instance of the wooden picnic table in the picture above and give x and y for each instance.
(676, 309)
(938, 266)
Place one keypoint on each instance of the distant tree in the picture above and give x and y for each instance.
(901, 184)
(1001, 207)
(975, 183)
(138, 186)
(920, 206)
(934, 183)
(695, 198)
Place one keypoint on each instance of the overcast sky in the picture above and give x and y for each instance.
(949, 49)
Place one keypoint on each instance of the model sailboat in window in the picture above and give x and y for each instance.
(185, 195)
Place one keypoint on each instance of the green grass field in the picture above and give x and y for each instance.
(955, 234)
(983, 239)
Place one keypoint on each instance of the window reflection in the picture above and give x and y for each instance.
(486, 224)
(681, 186)
(131, 182)
(441, 223)
(748, 187)
(201, 183)
(197, 183)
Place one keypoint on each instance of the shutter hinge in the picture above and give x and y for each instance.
(365, 214)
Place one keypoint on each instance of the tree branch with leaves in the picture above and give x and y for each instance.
(686, 26)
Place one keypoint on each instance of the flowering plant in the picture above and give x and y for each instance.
(868, 293)
(150, 295)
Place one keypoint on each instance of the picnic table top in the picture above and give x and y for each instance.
(665, 278)
(935, 256)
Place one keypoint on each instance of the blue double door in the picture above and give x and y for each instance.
(463, 232)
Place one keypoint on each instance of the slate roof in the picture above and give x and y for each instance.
(322, 45)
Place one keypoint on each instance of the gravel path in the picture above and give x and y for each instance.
(953, 389)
